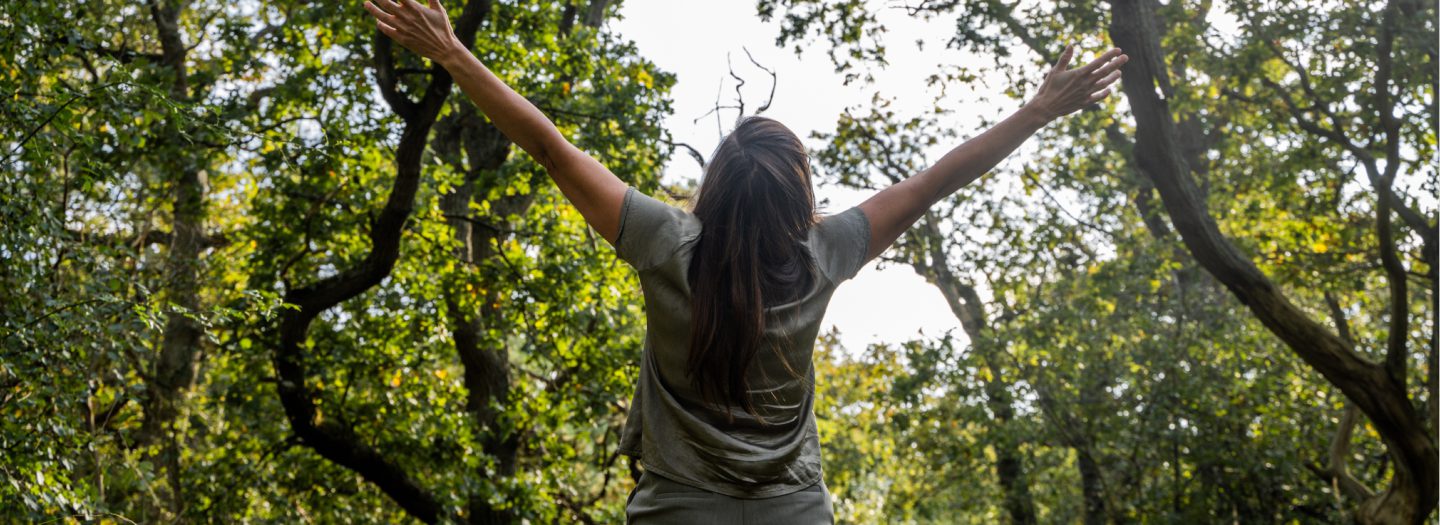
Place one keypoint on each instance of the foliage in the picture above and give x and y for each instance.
(273, 108)
(181, 179)
(1119, 345)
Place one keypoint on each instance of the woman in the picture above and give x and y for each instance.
(735, 290)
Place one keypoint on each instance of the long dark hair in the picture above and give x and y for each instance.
(756, 208)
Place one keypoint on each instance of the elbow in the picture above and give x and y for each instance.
(546, 154)
(540, 153)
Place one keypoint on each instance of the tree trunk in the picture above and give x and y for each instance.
(1411, 496)
(334, 441)
(173, 370)
(1091, 487)
(486, 363)
(970, 311)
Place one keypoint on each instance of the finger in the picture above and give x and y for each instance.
(380, 14)
(383, 6)
(1098, 96)
(416, 6)
(1063, 63)
(435, 4)
(1111, 66)
(1105, 81)
(1101, 60)
(387, 29)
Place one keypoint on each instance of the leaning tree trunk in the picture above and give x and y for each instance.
(1372, 387)
(965, 304)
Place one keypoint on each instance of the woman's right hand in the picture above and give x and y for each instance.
(1066, 91)
(424, 30)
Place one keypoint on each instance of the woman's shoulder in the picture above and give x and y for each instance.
(651, 231)
(839, 243)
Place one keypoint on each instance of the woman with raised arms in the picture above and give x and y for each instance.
(735, 288)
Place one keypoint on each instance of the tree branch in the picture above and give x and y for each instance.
(1398, 337)
(386, 78)
(694, 153)
(121, 55)
(774, 81)
(148, 238)
(329, 438)
(1369, 387)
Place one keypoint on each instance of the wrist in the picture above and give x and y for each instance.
(452, 56)
(1032, 114)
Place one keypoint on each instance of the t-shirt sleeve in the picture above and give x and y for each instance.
(841, 242)
(650, 230)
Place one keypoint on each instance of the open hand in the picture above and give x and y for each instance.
(1066, 90)
(424, 30)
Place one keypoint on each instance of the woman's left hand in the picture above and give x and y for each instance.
(424, 30)
(1066, 91)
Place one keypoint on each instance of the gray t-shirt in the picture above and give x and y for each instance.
(670, 429)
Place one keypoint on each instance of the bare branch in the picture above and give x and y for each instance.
(1056, 202)
(774, 81)
(739, 83)
(694, 153)
(716, 111)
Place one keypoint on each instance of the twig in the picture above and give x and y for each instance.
(694, 153)
(774, 80)
(739, 83)
(54, 114)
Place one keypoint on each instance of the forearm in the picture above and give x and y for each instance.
(894, 209)
(520, 121)
(977, 156)
(588, 185)
(1064, 91)
(583, 180)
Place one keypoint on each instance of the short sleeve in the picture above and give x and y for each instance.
(840, 243)
(651, 231)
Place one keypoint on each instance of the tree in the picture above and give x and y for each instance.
(235, 228)
(1203, 139)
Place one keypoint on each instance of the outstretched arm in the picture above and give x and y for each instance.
(589, 185)
(1064, 91)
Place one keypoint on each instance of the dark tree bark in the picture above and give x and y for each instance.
(486, 364)
(1074, 431)
(329, 438)
(965, 303)
(1372, 387)
(1091, 487)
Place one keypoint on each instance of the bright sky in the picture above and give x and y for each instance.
(691, 38)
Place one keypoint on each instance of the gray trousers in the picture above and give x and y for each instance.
(657, 500)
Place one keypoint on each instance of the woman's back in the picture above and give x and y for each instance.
(672, 428)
